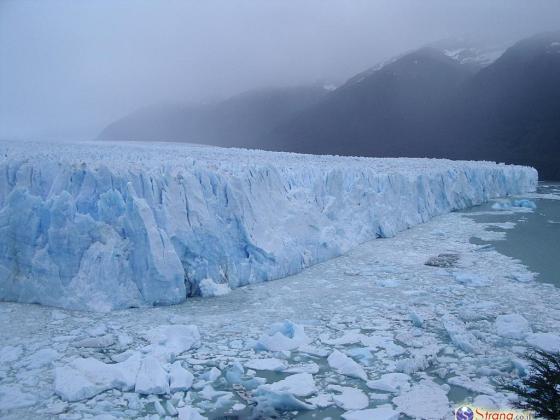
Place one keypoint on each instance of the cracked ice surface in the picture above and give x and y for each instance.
(104, 226)
(429, 344)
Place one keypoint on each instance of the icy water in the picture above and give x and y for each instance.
(535, 238)
(450, 332)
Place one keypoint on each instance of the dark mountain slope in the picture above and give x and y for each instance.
(510, 111)
(387, 112)
(426, 104)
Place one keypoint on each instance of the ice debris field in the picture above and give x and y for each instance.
(102, 226)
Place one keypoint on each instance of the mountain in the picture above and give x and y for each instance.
(473, 53)
(510, 110)
(241, 121)
(452, 99)
(434, 103)
(392, 111)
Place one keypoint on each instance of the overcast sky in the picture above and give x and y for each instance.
(68, 68)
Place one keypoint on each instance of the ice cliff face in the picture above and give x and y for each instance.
(106, 226)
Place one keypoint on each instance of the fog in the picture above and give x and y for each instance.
(68, 68)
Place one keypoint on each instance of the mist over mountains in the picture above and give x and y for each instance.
(242, 121)
(439, 101)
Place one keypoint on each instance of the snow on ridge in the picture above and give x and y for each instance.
(102, 226)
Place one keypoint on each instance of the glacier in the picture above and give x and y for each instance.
(104, 226)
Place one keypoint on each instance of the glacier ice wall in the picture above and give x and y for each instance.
(107, 226)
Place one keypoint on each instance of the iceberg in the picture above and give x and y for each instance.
(103, 226)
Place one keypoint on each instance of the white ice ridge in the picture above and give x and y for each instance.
(102, 226)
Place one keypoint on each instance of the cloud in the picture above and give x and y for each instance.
(69, 67)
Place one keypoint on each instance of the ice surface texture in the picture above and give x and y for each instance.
(107, 226)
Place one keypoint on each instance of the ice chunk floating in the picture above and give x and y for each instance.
(106, 226)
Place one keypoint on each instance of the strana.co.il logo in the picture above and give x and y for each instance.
(464, 413)
(476, 413)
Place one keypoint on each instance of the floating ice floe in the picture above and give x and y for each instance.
(507, 205)
(346, 366)
(460, 336)
(270, 363)
(312, 350)
(168, 341)
(391, 382)
(189, 413)
(548, 342)
(309, 367)
(485, 401)
(96, 342)
(425, 400)
(43, 357)
(212, 374)
(13, 397)
(362, 354)
(421, 359)
(349, 337)
(522, 277)
(151, 377)
(512, 326)
(300, 385)
(476, 385)
(180, 379)
(321, 400)
(283, 336)
(416, 318)
(209, 393)
(268, 401)
(383, 412)
(10, 353)
(235, 375)
(349, 398)
(84, 378)
(383, 342)
(471, 279)
(282, 395)
(524, 203)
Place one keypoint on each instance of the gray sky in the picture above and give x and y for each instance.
(69, 67)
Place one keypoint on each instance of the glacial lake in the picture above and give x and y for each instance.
(535, 239)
